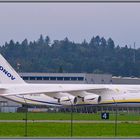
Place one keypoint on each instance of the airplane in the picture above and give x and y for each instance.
(14, 88)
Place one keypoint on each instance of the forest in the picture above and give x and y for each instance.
(99, 55)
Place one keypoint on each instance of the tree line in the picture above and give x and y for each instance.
(99, 55)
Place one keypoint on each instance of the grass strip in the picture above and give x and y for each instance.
(67, 116)
(64, 130)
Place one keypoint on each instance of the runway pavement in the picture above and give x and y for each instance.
(66, 121)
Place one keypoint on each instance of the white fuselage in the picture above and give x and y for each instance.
(36, 93)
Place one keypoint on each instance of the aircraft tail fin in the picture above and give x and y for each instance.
(7, 74)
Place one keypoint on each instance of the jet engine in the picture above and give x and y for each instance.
(67, 100)
(92, 99)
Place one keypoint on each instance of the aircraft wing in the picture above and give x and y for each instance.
(54, 89)
(66, 94)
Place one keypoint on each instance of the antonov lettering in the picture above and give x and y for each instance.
(8, 74)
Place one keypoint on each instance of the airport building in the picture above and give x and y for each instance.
(125, 80)
(77, 78)
(67, 78)
(8, 105)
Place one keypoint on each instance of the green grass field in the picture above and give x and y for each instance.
(67, 116)
(36, 129)
(64, 130)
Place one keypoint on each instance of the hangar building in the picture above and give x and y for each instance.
(67, 78)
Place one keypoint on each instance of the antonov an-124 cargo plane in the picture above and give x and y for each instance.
(13, 87)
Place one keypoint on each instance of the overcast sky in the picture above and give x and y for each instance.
(120, 21)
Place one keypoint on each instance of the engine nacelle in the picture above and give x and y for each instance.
(92, 99)
(67, 100)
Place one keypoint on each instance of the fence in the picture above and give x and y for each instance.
(72, 121)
